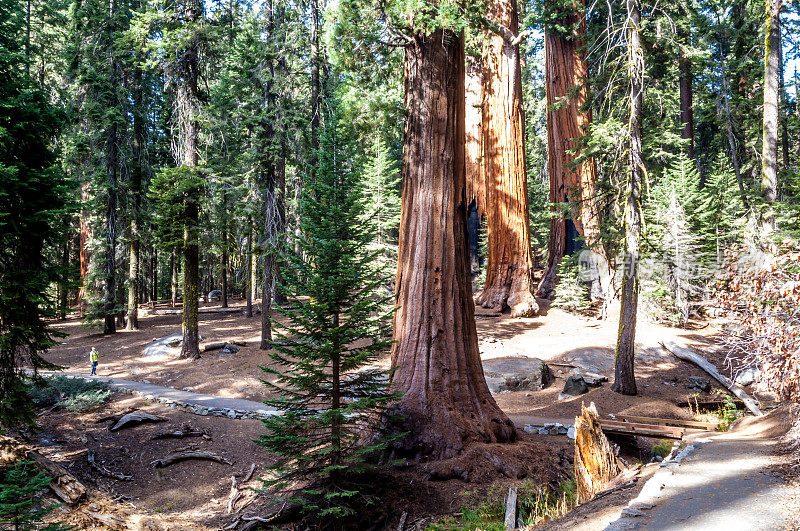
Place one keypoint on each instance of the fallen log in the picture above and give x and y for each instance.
(64, 485)
(595, 463)
(186, 431)
(135, 418)
(183, 456)
(687, 354)
(91, 458)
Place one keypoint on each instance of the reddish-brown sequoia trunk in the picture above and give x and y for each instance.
(568, 118)
(476, 185)
(446, 403)
(509, 268)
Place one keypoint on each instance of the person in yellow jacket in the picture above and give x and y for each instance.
(94, 357)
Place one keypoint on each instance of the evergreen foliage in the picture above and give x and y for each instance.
(33, 196)
(330, 396)
(571, 293)
(21, 489)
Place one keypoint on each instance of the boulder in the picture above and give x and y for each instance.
(516, 374)
(214, 295)
(747, 376)
(593, 380)
(574, 386)
(698, 384)
(230, 349)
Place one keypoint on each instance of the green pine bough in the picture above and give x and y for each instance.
(336, 323)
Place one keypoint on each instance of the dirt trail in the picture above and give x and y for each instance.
(725, 482)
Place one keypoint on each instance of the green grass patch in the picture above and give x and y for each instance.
(536, 504)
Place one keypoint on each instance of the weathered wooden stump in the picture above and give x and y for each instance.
(595, 462)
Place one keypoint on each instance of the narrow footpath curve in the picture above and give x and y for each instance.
(721, 482)
(196, 403)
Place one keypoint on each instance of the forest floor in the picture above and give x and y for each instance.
(198, 491)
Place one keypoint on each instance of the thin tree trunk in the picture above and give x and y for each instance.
(784, 111)
(154, 274)
(509, 266)
(85, 234)
(687, 110)
(224, 264)
(173, 266)
(112, 160)
(568, 119)
(249, 269)
(135, 190)
(769, 176)
(624, 377)
(188, 101)
(446, 404)
(63, 292)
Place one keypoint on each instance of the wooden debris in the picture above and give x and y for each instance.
(186, 431)
(183, 456)
(645, 430)
(685, 353)
(595, 463)
(669, 422)
(65, 485)
(511, 509)
(401, 526)
(234, 494)
(132, 419)
(90, 456)
(249, 475)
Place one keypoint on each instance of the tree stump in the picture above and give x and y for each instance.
(595, 462)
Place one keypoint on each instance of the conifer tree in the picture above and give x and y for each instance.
(328, 399)
(32, 202)
(21, 487)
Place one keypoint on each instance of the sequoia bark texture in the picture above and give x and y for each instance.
(509, 267)
(624, 378)
(568, 118)
(476, 184)
(446, 404)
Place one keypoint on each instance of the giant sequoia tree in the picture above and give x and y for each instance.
(446, 402)
(573, 180)
(509, 268)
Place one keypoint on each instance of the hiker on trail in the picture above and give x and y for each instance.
(94, 356)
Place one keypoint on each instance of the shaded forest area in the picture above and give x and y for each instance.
(359, 179)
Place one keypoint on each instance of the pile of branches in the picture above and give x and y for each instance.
(761, 294)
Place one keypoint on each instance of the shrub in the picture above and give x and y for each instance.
(73, 394)
(761, 293)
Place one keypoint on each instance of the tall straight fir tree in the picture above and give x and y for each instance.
(328, 398)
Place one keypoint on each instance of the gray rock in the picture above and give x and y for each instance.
(516, 374)
(214, 295)
(747, 376)
(230, 349)
(594, 380)
(574, 386)
(571, 432)
(164, 346)
(698, 383)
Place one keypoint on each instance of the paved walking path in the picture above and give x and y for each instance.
(717, 483)
(196, 403)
